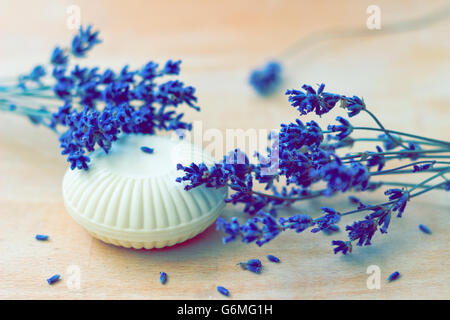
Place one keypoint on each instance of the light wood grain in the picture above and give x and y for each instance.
(404, 78)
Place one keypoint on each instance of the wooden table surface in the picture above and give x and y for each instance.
(404, 78)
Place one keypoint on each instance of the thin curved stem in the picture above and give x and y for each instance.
(396, 141)
(392, 28)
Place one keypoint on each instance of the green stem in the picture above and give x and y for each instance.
(439, 185)
(274, 197)
(410, 171)
(382, 140)
(33, 95)
(428, 180)
(425, 190)
(25, 111)
(405, 134)
(397, 141)
(400, 184)
(434, 157)
(406, 166)
(361, 154)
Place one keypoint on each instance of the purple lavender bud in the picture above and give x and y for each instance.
(53, 279)
(163, 277)
(147, 150)
(424, 229)
(394, 276)
(223, 291)
(273, 258)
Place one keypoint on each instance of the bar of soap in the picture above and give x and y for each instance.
(130, 197)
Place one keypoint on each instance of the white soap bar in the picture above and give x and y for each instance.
(130, 198)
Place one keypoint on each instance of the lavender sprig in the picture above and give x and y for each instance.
(307, 156)
(90, 108)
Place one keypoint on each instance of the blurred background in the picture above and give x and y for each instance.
(403, 77)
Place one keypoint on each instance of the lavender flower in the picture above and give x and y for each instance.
(232, 229)
(354, 105)
(388, 143)
(381, 214)
(84, 41)
(267, 79)
(362, 231)
(298, 222)
(309, 100)
(296, 135)
(325, 222)
(401, 197)
(344, 129)
(58, 57)
(376, 159)
(253, 265)
(342, 246)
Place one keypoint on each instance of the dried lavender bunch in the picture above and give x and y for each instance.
(89, 108)
(306, 157)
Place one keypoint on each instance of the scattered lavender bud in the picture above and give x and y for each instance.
(53, 279)
(41, 237)
(223, 291)
(273, 258)
(253, 265)
(424, 229)
(147, 150)
(394, 276)
(163, 277)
